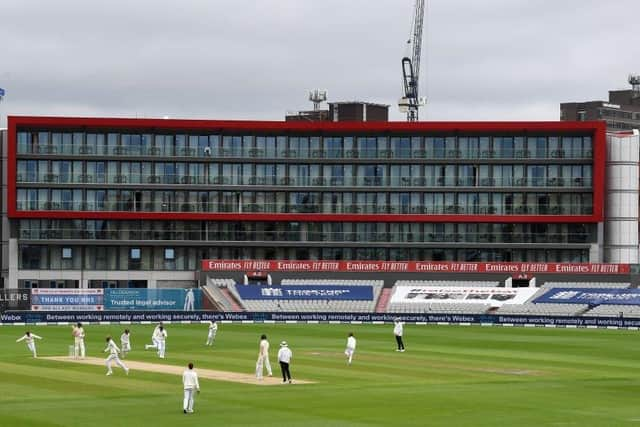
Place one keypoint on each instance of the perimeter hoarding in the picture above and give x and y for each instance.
(413, 267)
(15, 299)
(45, 299)
(152, 299)
(201, 316)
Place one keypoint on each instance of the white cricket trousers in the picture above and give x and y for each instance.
(349, 353)
(78, 347)
(126, 348)
(117, 360)
(211, 337)
(32, 348)
(187, 403)
(263, 361)
(154, 345)
(161, 348)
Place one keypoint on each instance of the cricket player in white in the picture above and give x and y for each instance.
(351, 347)
(263, 358)
(31, 344)
(161, 339)
(153, 338)
(113, 351)
(190, 385)
(213, 330)
(78, 340)
(125, 343)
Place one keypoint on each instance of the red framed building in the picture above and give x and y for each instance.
(139, 202)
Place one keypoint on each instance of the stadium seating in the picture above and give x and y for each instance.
(313, 305)
(225, 295)
(607, 285)
(614, 310)
(214, 290)
(452, 308)
(553, 309)
(444, 283)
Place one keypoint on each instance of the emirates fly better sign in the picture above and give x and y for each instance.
(413, 266)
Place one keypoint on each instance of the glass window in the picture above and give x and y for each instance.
(367, 147)
(33, 257)
(438, 147)
(169, 254)
(450, 175)
(564, 150)
(67, 253)
(576, 147)
(300, 146)
(416, 146)
(429, 175)
(134, 253)
(463, 146)
(506, 147)
(467, 175)
(333, 147)
(24, 143)
(536, 175)
(401, 147)
(181, 145)
(587, 149)
(485, 147)
(554, 147)
(450, 147)
(214, 143)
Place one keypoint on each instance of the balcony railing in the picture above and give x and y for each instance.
(216, 234)
(308, 180)
(206, 206)
(298, 153)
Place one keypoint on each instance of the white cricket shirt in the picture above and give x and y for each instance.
(190, 380)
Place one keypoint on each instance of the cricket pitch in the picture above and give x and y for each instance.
(178, 370)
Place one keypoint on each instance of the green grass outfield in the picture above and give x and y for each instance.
(449, 376)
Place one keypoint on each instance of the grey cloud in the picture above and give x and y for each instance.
(482, 60)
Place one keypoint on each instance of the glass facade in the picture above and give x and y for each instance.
(438, 175)
(303, 147)
(336, 175)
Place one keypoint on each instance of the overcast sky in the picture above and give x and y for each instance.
(241, 59)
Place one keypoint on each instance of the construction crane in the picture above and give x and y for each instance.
(411, 100)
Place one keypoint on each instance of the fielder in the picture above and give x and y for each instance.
(190, 384)
(263, 358)
(351, 347)
(213, 330)
(78, 340)
(113, 350)
(161, 339)
(125, 343)
(153, 338)
(31, 344)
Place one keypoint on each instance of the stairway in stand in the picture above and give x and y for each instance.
(383, 300)
(234, 304)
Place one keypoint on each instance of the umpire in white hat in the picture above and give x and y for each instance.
(284, 357)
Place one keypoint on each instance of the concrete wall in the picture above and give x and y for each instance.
(622, 199)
